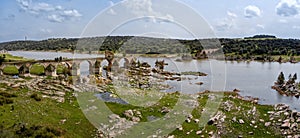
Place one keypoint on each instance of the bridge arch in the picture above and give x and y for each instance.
(85, 68)
(37, 69)
(10, 70)
(63, 68)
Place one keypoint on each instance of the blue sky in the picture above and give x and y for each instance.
(42, 19)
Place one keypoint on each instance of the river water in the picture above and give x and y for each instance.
(252, 78)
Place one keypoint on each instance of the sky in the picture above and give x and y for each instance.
(43, 19)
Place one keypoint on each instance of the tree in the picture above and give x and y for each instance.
(280, 80)
(295, 76)
(2, 58)
(280, 59)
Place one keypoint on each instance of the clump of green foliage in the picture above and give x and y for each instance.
(10, 70)
(35, 97)
(5, 98)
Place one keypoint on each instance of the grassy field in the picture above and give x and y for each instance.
(231, 129)
(10, 70)
(29, 117)
(24, 113)
(9, 57)
(37, 69)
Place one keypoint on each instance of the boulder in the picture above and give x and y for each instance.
(135, 119)
(187, 120)
(128, 113)
(267, 124)
(165, 110)
(234, 119)
(285, 125)
(241, 121)
(198, 132)
(172, 136)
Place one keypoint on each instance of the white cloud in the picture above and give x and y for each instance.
(144, 7)
(231, 14)
(283, 21)
(24, 4)
(140, 7)
(59, 7)
(71, 13)
(296, 27)
(56, 18)
(111, 3)
(53, 13)
(40, 7)
(260, 26)
(227, 23)
(43, 30)
(288, 8)
(252, 11)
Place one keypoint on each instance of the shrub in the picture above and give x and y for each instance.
(8, 95)
(4, 100)
(35, 97)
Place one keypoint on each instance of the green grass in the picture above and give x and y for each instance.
(10, 70)
(46, 114)
(60, 69)
(9, 57)
(168, 100)
(29, 108)
(232, 129)
(37, 69)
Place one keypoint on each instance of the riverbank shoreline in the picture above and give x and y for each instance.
(178, 58)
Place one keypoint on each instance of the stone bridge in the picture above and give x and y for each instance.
(72, 65)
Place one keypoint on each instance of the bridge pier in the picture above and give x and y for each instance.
(50, 70)
(98, 71)
(75, 70)
(24, 70)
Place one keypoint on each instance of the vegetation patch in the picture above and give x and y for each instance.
(37, 69)
(195, 73)
(10, 70)
(6, 98)
(10, 58)
(35, 97)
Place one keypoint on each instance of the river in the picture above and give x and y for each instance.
(252, 78)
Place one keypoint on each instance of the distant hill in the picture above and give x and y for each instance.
(131, 44)
(261, 36)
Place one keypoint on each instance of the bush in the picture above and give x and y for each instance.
(8, 95)
(4, 100)
(39, 131)
(35, 97)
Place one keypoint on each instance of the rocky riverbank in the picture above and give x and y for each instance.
(287, 87)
